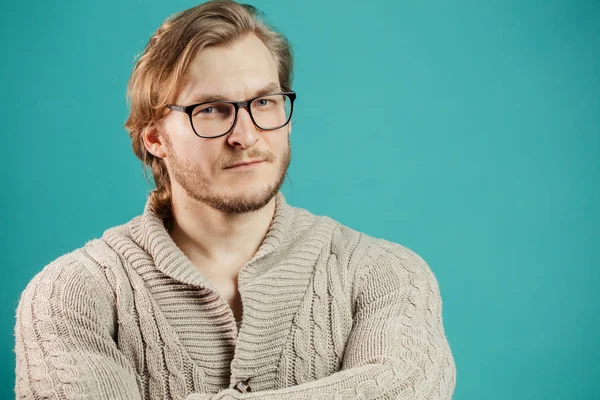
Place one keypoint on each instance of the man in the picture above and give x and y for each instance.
(220, 289)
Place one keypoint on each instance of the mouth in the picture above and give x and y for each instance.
(247, 165)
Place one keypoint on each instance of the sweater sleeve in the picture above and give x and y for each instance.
(64, 338)
(397, 348)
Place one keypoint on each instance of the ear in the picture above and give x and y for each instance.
(153, 141)
(289, 128)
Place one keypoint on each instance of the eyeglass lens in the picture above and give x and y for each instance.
(214, 119)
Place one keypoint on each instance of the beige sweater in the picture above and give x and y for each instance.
(328, 313)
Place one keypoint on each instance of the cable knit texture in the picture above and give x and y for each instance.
(328, 313)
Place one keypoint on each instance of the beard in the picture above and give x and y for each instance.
(196, 185)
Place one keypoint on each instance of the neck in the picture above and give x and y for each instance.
(215, 241)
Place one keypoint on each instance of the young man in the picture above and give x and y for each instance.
(220, 289)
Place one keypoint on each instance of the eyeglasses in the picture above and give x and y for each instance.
(217, 118)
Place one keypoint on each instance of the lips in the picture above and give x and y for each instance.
(243, 163)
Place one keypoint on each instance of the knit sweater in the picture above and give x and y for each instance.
(328, 313)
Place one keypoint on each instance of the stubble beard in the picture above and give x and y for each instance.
(195, 184)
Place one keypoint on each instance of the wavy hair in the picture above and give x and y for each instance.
(160, 69)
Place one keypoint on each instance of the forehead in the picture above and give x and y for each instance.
(235, 71)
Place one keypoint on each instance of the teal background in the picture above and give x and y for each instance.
(468, 131)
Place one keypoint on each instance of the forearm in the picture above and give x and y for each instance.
(384, 378)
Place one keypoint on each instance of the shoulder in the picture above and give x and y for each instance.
(79, 272)
(365, 249)
(381, 252)
(365, 256)
(372, 259)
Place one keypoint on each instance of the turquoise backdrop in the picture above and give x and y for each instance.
(468, 131)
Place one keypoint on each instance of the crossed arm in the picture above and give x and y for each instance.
(396, 349)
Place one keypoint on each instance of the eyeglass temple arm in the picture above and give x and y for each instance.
(176, 108)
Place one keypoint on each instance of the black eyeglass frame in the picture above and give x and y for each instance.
(237, 105)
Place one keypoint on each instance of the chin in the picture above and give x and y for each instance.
(244, 202)
(244, 197)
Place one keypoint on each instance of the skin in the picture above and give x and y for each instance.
(221, 216)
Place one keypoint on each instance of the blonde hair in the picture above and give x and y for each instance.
(160, 68)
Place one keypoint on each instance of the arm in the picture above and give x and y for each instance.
(64, 339)
(397, 348)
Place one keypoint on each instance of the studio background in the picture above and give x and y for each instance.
(467, 131)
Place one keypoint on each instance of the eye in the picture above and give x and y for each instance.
(213, 109)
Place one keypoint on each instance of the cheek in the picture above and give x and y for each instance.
(183, 140)
(194, 155)
(279, 142)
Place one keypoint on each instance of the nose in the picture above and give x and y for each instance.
(244, 133)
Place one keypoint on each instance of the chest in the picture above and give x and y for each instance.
(182, 338)
(228, 290)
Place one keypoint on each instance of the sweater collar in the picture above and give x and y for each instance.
(149, 232)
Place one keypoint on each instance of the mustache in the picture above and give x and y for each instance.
(251, 155)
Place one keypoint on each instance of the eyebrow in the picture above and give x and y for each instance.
(209, 98)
